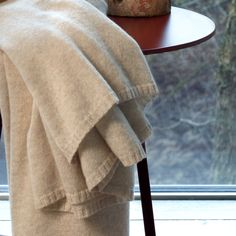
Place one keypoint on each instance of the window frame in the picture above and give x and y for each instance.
(173, 192)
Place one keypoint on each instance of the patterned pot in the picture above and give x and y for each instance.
(137, 8)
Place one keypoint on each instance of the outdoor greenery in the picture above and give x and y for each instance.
(193, 120)
(224, 161)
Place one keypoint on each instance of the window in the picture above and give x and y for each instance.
(193, 144)
(3, 169)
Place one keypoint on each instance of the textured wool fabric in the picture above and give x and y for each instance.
(72, 104)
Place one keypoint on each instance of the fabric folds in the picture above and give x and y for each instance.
(84, 84)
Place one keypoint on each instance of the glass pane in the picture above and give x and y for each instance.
(194, 119)
(3, 172)
(193, 139)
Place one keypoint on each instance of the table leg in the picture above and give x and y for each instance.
(0, 125)
(146, 200)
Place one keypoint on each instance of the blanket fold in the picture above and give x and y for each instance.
(89, 84)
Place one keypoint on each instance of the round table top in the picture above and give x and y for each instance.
(180, 29)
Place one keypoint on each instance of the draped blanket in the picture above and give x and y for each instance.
(74, 87)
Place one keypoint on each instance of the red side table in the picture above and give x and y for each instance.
(180, 29)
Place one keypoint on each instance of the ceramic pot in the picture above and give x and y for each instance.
(138, 8)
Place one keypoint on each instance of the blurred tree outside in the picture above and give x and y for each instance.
(193, 134)
(224, 157)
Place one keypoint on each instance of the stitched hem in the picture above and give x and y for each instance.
(76, 198)
(79, 197)
(99, 179)
(91, 208)
(145, 133)
(134, 157)
(149, 91)
(121, 191)
(50, 198)
(58, 194)
(71, 144)
(103, 174)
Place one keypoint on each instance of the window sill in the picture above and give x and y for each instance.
(172, 217)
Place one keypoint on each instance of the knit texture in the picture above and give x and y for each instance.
(74, 87)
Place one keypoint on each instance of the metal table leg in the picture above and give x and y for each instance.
(146, 199)
(0, 125)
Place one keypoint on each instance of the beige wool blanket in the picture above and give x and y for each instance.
(74, 87)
